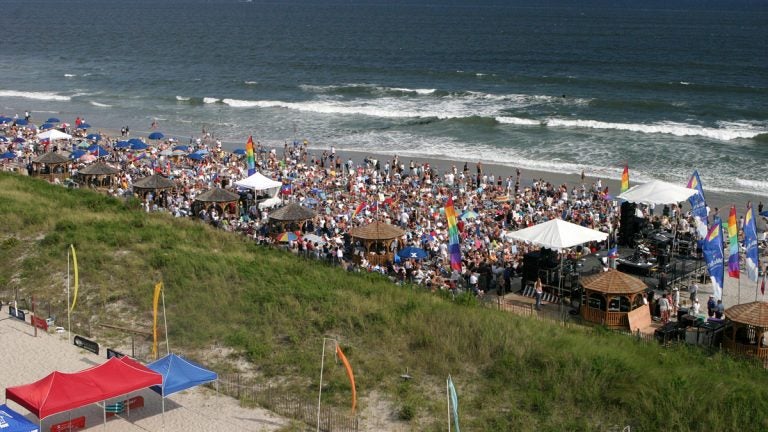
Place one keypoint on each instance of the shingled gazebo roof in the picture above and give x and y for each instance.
(754, 313)
(377, 231)
(99, 168)
(292, 212)
(51, 158)
(613, 282)
(217, 195)
(155, 181)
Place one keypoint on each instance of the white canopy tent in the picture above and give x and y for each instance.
(258, 182)
(53, 135)
(558, 234)
(657, 192)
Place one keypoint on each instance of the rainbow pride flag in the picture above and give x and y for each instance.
(713, 256)
(752, 257)
(249, 156)
(733, 245)
(625, 179)
(454, 244)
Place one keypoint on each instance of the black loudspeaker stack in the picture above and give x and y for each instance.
(627, 224)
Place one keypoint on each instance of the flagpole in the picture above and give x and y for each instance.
(448, 403)
(165, 322)
(69, 320)
(320, 392)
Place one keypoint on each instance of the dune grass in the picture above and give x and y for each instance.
(273, 308)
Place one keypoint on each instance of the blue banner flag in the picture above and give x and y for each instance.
(454, 403)
(698, 205)
(750, 245)
(713, 256)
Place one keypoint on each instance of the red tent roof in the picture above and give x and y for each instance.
(60, 391)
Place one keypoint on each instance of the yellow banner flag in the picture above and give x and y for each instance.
(74, 266)
(350, 375)
(158, 288)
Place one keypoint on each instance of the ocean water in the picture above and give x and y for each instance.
(561, 86)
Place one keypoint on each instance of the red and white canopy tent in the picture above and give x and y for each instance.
(59, 392)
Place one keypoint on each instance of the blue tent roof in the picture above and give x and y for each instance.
(15, 422)
(179, 374)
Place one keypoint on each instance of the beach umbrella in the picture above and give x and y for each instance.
(77, 154)
(3, 139)
(4, 120)
(19, 140)
(21, 122)
(287, 237)
(138, 146)
(53, 120)
(765, 213)
(202, 151)
(156, 136)
(182, 148)
(93, 137)
(412, 252)
(196, 156)
(8, 155)
(122, 145)
(469, 214)
(178, 153)
(84, 126)
(98, 150)
(239, 151)
(46, 126)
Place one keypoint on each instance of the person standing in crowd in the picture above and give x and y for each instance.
(664, 308)
(719, 309)
(538, 291)
(711, 304)
(693, 290)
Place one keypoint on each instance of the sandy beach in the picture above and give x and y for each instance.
(27, 358)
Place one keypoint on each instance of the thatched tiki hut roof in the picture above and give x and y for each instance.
(291, 217)
(50, 166)
(613, 282)
(748, 334)
(377, 231)
(98, 174)
(217, 197)
(154, 182)
(377, 238)
(612, 297)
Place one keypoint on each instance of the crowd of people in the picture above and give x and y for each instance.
(346, 194)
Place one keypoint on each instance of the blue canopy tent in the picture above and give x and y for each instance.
(11, 421)
(179, 374)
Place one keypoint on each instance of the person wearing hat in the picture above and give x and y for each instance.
(711, 305)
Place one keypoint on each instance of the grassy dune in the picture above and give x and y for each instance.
(273, 309)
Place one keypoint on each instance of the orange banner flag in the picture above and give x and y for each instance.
(158, 287)
(350, 375)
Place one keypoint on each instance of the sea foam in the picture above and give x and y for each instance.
(34, 95)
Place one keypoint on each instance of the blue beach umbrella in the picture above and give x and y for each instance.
(196, 156)
(84, 126)
(8, 155)
(4, 120)
(122, 145)
(77, 154)
(93, 137)
(53, 120)
(239, 151)
(182, 148)
(46, 126)
(3, 139)
(156, 136)
(21, 122)
(98, 150)
(19, 140)
(765, 213)
(138, 146)
(412, 252)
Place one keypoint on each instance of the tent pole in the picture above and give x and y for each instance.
(104, 411)
(162, 396)
(320, 393)
(69, 320)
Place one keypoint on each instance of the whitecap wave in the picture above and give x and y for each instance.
(210, 100)
(408, 90)
(183, 98)
(729, 131)
(34, 95)
(250, 82)
(67, 75)
(100, 105)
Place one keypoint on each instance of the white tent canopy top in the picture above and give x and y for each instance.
(258, 182)
(53, 135)
(558, 234)
(657, 192)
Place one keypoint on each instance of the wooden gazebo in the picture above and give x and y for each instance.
(225, 201)
(614, 299)
(154, 183)
(98, 175)
(748, 334)
(291, 217)
(50, 166)
(377, 239)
